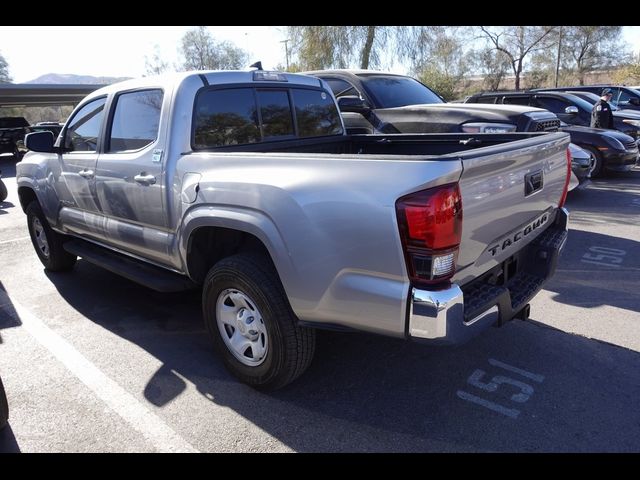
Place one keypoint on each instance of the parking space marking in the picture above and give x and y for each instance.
(491, 386)
(605, 256)
(533, 376)
(14, 240)
(509, 412)
(139, 417)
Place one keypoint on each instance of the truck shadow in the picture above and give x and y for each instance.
(613, 200)
(368, 393)
(8, 319)
(597, 269)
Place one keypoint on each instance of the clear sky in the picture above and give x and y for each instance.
(120, 51)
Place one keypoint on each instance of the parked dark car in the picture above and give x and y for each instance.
(12, 132)
(53, 127)
(613, 150)
(568, 107)
(378, 102)
(623, 97)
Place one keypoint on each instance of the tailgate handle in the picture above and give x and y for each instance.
(533, 182)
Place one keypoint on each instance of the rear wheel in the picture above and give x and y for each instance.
(48, 244)
(251, 322)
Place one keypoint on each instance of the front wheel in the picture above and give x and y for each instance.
(598, 168)
(48, 244)
(252, 325)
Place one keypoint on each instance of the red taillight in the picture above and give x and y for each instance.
(430, 223)
(563, 198)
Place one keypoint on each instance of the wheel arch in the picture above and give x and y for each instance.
(210, 234)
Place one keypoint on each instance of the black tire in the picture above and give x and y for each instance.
(3, 191)
(4, 407)
(290, 347)
(54, 258)
(17, 154)
(598, 170)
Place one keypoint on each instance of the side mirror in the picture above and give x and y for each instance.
(353, 103)
(39, 142)
(571, 110)
(635, 101)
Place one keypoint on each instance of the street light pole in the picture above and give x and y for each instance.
(558, 58)
(286, 50)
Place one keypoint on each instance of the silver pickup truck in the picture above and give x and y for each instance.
(244, 184)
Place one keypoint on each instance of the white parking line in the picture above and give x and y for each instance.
(14, 240)
(158, 433)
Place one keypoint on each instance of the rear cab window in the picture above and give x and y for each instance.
(246, 115)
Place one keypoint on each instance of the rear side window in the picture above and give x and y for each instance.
(136, 120)
(316, 113)
(226, 117)
(237, 116)
(516, 100)
(486, 100)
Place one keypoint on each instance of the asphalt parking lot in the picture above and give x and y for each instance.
(94, 363)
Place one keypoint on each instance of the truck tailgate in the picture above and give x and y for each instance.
(508, 198)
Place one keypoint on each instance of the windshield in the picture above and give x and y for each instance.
(592, 98)
(390, 91)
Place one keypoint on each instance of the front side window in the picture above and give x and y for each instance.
(341, 87)
(624, 96)
(554, 105)
(226, 117)
(84, 128)
(136, 120)
(316, 113)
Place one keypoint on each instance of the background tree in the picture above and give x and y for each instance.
(517, 42)
(4, 71)
(155, 65)
(201, 52)
(493, 65)
(629, 73)
(438, 58)
(586, 48)
(342, 46)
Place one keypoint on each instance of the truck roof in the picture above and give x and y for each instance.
(355, 72)
(213, 77)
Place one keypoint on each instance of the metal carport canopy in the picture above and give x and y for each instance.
(41, 95)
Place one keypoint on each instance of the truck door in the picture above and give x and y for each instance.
(75, 183)
(129, 174)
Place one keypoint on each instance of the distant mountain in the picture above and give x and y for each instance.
(68, 78)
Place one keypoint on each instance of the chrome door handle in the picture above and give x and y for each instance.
(145, 179)
(86, 173)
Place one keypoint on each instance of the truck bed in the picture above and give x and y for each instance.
(396, 144)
